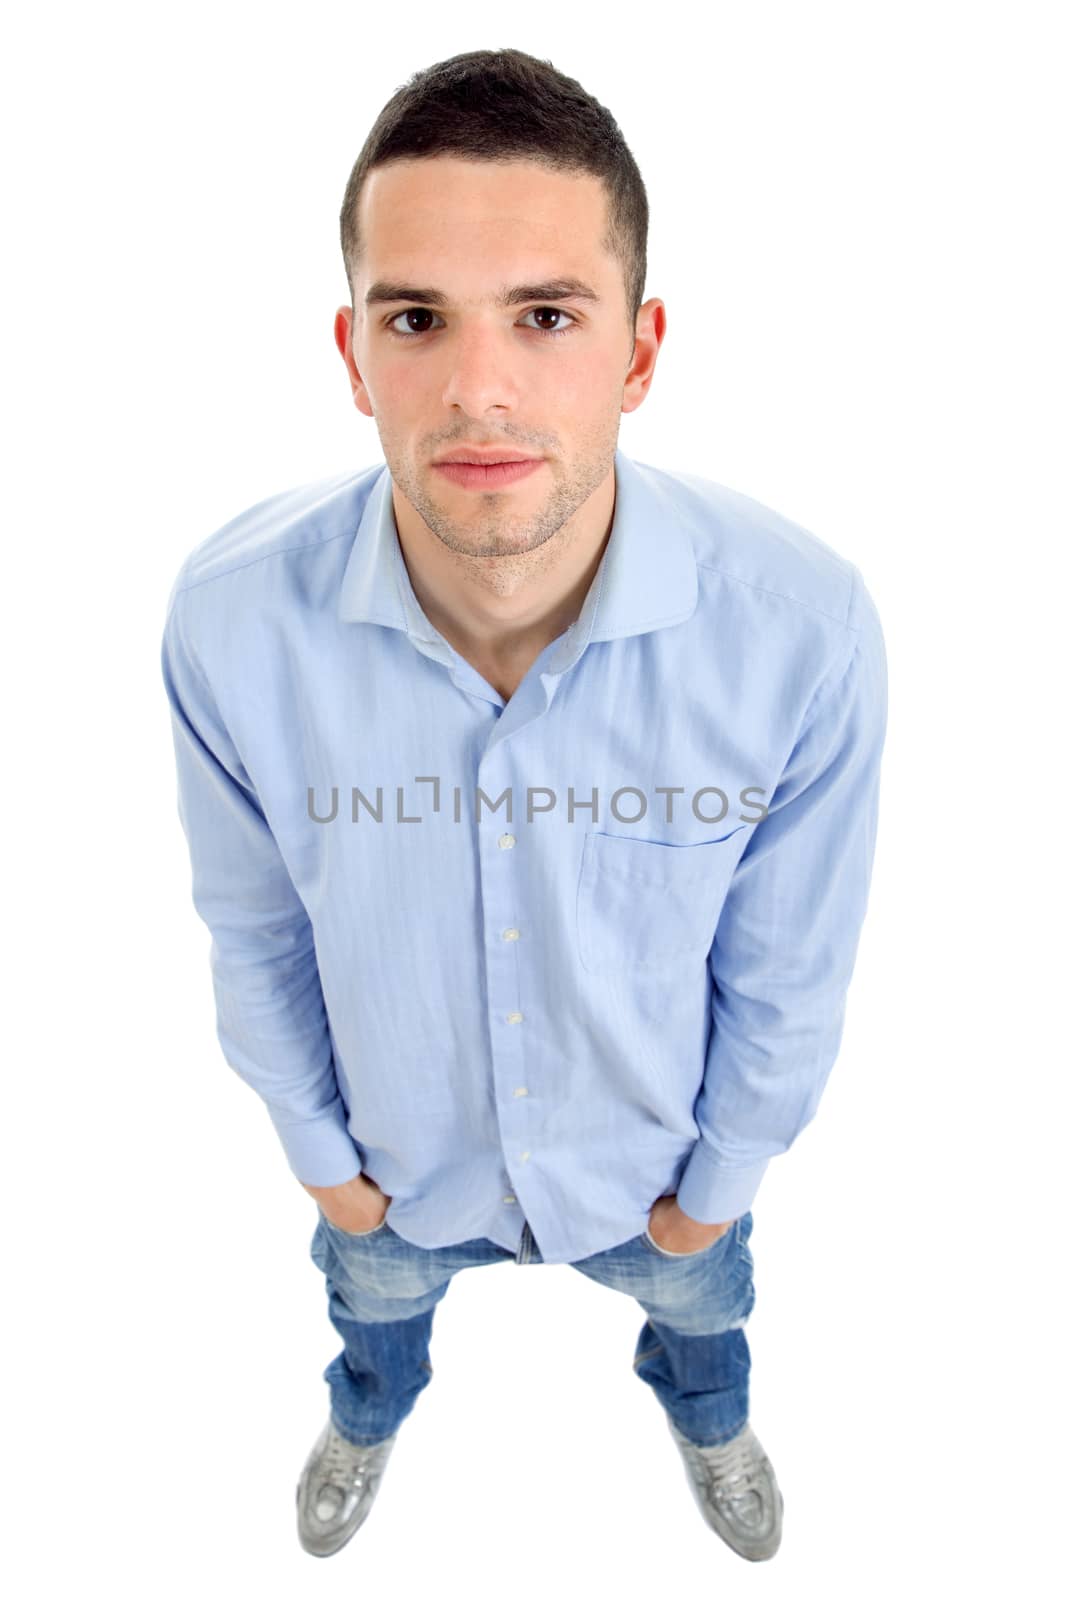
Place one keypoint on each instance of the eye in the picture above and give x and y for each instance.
(412, 311)
(553, 311)
(424, 311)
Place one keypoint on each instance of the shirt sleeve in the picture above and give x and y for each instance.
(271, 1015)
(787, 939)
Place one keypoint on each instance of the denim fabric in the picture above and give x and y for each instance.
(691, 1350)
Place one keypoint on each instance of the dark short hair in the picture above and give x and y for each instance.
(505, 105)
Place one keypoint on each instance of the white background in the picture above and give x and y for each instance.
(856, 215)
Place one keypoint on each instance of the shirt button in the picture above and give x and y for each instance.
(514, 1016)
(509, 1199)
(525, 1156)
(517, 1092)
(506, 841)
(510, 933)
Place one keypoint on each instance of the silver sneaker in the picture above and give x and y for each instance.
(736, 1490)
(337, 1489)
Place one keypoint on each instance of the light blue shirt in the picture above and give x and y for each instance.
(542, 958)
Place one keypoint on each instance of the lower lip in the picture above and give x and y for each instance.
(502, 473)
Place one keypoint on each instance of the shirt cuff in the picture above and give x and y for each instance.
(321, 1151)
(709, 1192)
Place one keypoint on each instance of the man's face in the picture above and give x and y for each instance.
(547, 375)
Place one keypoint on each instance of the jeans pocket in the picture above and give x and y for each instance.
(344, 1233)
(688, 1255)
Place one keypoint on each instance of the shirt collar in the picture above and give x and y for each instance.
(646, 578)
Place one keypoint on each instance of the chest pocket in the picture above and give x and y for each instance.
(650, 907)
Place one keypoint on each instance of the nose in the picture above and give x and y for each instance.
(481, 370)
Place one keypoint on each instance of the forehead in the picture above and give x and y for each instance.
(450, 211)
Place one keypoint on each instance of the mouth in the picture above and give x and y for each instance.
(494, 475)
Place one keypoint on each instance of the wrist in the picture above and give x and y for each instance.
(691, 1225)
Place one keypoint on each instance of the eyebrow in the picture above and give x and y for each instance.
(384, 292)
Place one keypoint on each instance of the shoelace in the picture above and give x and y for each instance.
(734, 1471)
(338, 1467)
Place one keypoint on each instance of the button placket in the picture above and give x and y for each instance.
(501, 976)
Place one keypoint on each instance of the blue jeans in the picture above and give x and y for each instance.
(691, 1350)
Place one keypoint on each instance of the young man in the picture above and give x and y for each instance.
(531, 794)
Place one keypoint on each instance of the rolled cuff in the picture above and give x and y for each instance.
(709, 1192)
(320, 1151)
